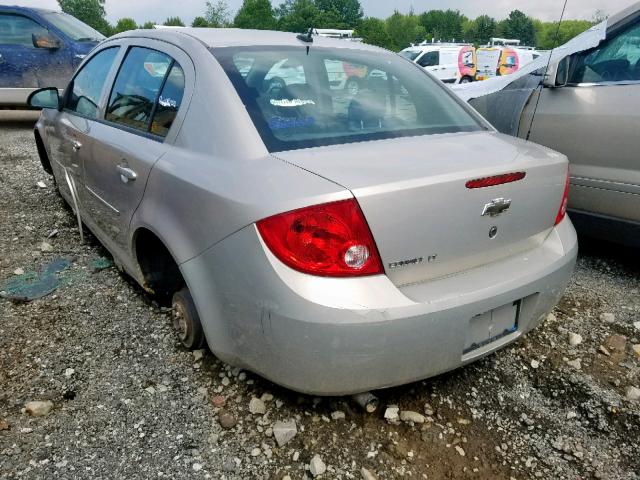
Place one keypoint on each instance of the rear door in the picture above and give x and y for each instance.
(134, 133)
(595, 121)
(21, 64)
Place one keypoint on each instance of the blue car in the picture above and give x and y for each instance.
(39, 48)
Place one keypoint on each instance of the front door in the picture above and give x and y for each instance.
(595, 121)
(146, 95)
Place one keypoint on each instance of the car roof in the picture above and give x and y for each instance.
(236, 37)
(19, 8)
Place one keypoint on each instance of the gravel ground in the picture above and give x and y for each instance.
(128, 402)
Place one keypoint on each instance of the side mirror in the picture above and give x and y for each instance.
(44, 98)
(45, 40)
(558, 73)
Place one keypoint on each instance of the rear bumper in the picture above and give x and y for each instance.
(340, 336)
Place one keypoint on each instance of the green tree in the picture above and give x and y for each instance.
(444, 25)
(256, 14)
(90, 12)
(200, 22)
(518, 26)
(480, 30)
(217, 14)
(125, 24)
(348, 12)
(173, 22)
(298, 16)
(374, 32)
(403, 30)
(548, 36)
(149, 25)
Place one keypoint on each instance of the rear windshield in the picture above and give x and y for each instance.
(331, 96)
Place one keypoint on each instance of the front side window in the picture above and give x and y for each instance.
(87, 85)
(617, 60)
(332, 96)
(137, 87)
(18, 30)
(430, 59)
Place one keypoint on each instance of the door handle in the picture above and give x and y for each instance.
(76, 145)
(126, 174)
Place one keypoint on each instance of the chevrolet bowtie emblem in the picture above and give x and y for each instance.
(496, 207)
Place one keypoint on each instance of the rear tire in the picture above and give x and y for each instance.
(466, 79)
(186, 321)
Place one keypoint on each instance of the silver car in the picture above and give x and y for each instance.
(331, 240)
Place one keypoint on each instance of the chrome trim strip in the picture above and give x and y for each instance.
(604, 84)
(102, 200)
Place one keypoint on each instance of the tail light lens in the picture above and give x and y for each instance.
(331, 240)
(565, 200)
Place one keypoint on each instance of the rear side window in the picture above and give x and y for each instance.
(88, 84)
(328, 96)
(168, 102)
(137, 87)
(17, 30)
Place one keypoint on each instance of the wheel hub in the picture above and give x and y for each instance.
(180, 321)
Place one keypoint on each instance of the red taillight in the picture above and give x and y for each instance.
(332, 240)
(565, 200)
(496, 180)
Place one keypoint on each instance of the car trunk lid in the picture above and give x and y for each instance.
(426, 222)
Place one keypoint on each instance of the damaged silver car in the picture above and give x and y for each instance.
(333, 240)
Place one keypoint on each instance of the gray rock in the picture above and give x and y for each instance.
(413, 417)
(391, 414)
(574, 339)
(367, 475)
(338, 415)
(39, 409)
(257, 406)
(284, 432)
(633, 394)
(577, 363)
(607, 317)
(317, 466)
(226, 419)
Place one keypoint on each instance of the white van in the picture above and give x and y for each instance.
(502, 60)
(451, 63)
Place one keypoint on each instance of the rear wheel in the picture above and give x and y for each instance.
(186, 321)
(466, 80)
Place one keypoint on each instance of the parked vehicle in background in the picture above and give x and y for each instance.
(39, 48)
(451, 63)
(332, 242)
(500, 60)
(587, 106)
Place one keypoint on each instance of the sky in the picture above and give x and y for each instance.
(159, 10)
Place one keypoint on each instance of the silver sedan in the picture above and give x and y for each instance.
(331, 239)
